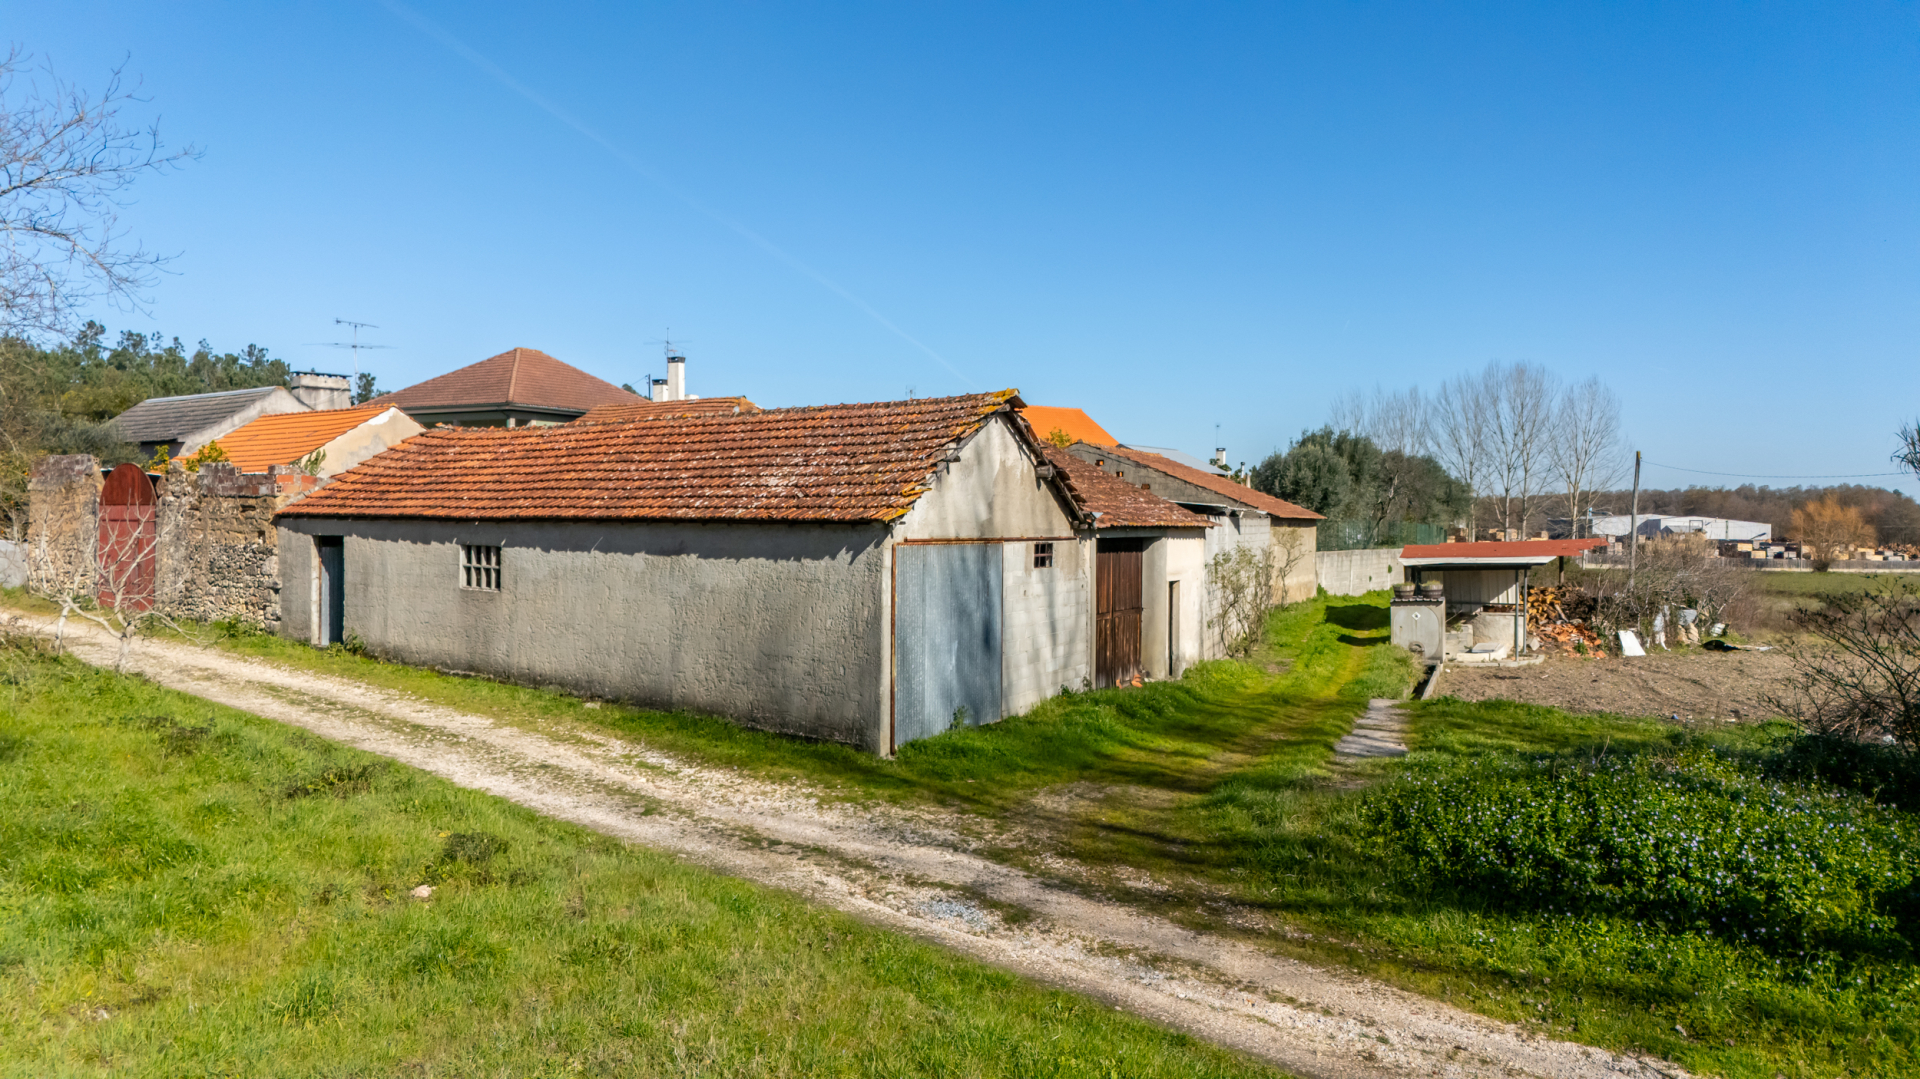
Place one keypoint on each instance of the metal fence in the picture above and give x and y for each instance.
(1354, 534)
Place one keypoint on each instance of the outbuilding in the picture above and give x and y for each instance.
(1482, 593)
(865, 573)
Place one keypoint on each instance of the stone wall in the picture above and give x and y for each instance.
(217, 548)
(63, 522)
(219, 551)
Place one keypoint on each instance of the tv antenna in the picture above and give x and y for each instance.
(667, 346)
(354, 344)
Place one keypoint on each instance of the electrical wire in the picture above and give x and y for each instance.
(1747, 476)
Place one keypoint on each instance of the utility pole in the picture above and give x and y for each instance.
(1633, 537)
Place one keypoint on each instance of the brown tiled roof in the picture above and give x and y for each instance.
(518, 376)
(1246, 496)
(1119, 504)
(656, 410)
(866, 462)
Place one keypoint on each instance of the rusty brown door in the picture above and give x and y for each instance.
(127, 540)
(1119, 603)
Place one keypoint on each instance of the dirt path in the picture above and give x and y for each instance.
(913, 871)
(1692, 686)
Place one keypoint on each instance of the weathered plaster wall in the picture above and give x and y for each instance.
(1304, 579)
(1176, 556)
(992, 492)
(273, 404)
(777, 626)
(1045, 625)
(1353, 573)
(382, 432)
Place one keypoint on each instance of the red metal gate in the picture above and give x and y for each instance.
(128, 536)
(1119, 603)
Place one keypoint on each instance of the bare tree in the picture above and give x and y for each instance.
(104, 575)
(1584, 444)
(1394, 419)
(1520, 399)
(67, 159)
(1860, 677)
(1461, 418)
(1242, 584)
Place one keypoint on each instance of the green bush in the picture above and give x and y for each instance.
(1689, 842)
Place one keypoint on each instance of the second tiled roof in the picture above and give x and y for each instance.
(861, 462)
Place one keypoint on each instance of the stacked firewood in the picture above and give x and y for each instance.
(1558, 615)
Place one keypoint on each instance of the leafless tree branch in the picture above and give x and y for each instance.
(67, 160)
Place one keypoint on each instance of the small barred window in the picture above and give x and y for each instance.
(480, 567)
(1043, 556)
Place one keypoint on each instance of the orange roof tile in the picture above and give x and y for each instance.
(654, 410)
(285, 438)
(1079, 427)
(1497, 549)
(862, 462)
(518, 376)
(1118, 503)
(1241, 493)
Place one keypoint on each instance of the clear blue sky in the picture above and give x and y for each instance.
(1173, 216)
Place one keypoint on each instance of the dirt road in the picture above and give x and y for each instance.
(908, 870)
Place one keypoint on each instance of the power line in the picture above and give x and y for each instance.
(1746, 476)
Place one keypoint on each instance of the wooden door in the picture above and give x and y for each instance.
(127, 539)
(1119, 604)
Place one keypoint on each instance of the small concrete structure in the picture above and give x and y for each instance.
(330, 442)
(1485, 591)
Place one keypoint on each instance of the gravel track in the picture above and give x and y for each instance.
(908, 870)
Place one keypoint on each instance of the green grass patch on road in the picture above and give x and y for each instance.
(189, 890)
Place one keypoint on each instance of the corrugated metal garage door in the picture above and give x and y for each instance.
(946, 637)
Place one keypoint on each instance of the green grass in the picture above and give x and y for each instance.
(1222, 785)
(189, 890)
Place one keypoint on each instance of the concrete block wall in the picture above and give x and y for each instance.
(1351, 573)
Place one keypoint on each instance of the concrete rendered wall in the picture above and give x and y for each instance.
(776, 626)
(382, 432)
(1046, 624)
(1181, 557)
(1352, 573)
(992, 492)
(1304, 580)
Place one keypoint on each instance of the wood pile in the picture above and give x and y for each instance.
(1558, 614)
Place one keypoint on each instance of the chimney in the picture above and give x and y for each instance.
(318, 391)
(657, 389)
(676, 378)
(1220, 457)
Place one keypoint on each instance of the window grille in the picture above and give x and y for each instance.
(480, 567)
(1043, 556)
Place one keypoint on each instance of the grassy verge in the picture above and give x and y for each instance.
(188, 890)
(1222, 787)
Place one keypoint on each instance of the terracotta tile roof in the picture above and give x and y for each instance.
(1241, 493)
(655, 410)
(518, 376)
(1120, 504)
(864, 462)
(1514, 549)
(162, 419)
(285, 438)
(1079, 427)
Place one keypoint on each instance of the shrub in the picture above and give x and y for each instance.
(1692, 843)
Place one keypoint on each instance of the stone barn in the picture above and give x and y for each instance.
(865, 573)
